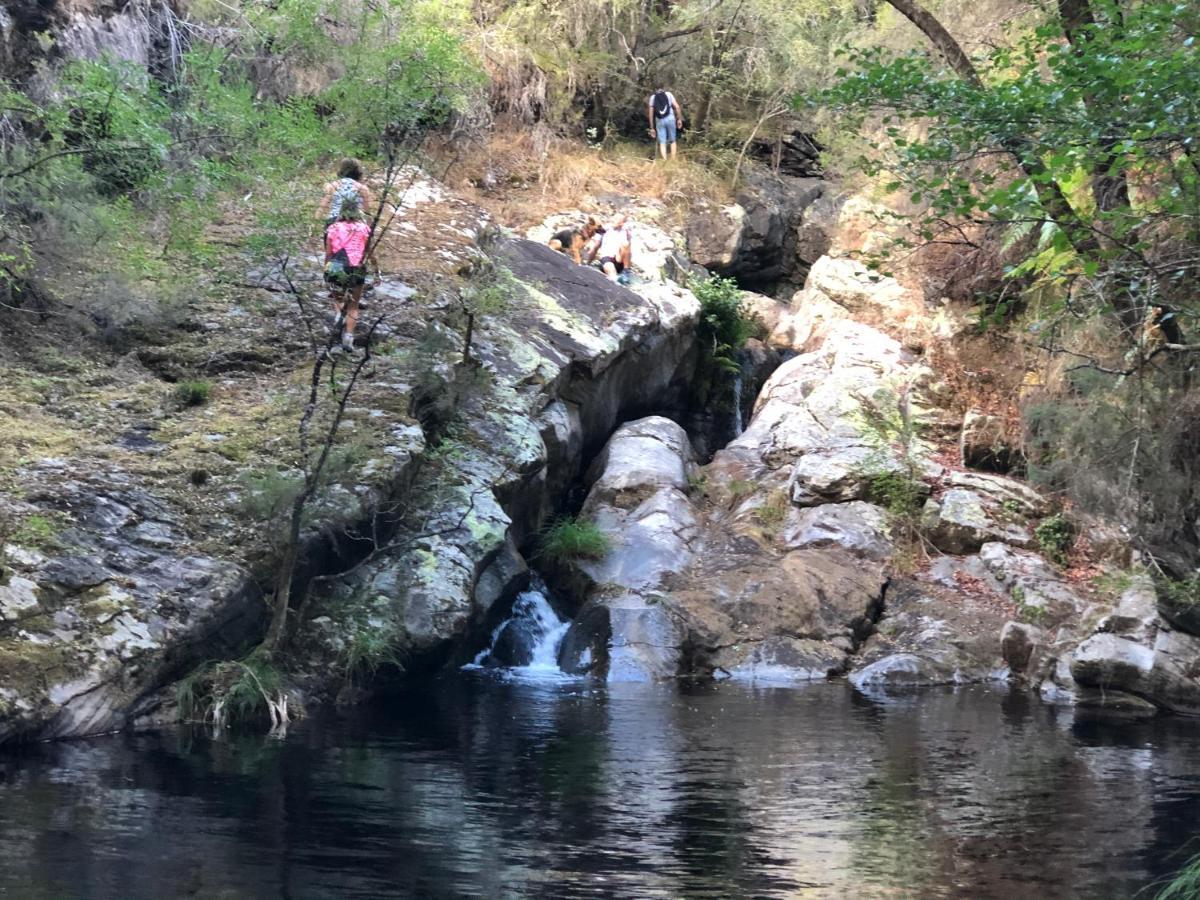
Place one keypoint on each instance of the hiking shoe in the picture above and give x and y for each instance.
(347, 342)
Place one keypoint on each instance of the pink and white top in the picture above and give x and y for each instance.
(351, 237)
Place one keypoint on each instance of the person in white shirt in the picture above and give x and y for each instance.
(666, 118)
(615, 248)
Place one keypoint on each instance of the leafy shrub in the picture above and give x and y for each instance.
(1055, 534)
(725, 322)
(570, 539)
(193, 393)
(896, 490)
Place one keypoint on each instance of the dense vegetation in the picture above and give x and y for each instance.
(112, 179)
(1069, 150)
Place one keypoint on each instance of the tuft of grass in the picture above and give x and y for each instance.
(774, 509)
(193, 393)
(739, 487)
(368, 650)
(38, 531)
(570, 539)
(1185, 885)
(231, 692)
(1180, 592)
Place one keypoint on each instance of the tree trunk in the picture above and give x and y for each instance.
(283, 578)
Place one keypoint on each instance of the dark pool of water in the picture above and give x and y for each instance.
(476, 787)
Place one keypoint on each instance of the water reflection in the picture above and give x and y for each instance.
(481, 787)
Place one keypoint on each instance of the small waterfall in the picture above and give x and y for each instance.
(528, 640)
(737, 402)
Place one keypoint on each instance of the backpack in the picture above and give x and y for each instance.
(337, 270)
(661, 103)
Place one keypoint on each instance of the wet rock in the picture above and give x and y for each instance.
(861, 528)
(930, 634)
(1108, 660)
(641, 457)
(646, 641)
(584, 647)
(898, 670)
(507, 574)
(1018, 641)
(787, 660)
(514, 643)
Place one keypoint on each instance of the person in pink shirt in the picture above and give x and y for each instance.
(347, 252)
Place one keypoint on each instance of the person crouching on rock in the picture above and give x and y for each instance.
(346, 254)
(572, 241)
(615, 249)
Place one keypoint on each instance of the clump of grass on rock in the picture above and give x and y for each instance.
(570, 539)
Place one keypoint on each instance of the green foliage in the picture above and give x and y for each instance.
(1049, 120)
(193, 393)
(267, 494)
(1055, 534)
(121, 172)
(740, 487)
(571, 539)
(774, 509)
(368, 650)
(37, 530)
(896, 490)
(1180, 592)
(725, 323)
(1185, 885)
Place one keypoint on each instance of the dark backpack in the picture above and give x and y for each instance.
(661, 104)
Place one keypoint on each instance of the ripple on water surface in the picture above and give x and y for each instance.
(496, 786)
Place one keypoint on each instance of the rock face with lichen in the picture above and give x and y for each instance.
(141, 582)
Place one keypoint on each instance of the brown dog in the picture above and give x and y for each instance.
(573, 240)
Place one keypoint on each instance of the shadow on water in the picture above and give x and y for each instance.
(481, 785)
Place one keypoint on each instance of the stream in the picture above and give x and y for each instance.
(503, 783)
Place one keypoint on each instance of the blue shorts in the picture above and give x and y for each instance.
(666, 129)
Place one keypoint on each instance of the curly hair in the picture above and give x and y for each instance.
(350, 168)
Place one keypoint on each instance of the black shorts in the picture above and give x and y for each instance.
(617, 264)
(355, 276)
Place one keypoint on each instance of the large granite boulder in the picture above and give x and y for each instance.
(860, 528)
(930, 634)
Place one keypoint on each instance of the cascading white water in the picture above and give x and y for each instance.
(528, 640)
(737, 403)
